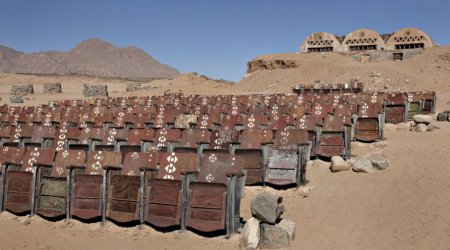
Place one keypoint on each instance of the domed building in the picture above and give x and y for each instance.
(409, 38)
(363, 39)
(320, 42)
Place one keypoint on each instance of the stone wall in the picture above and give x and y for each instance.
(133, 86)
(52, 88)
(22, 90)
(95, 90)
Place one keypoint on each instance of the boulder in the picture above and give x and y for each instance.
(442, 117)
(362, 165)
(267, 207)
(250, 235)
(273, 237)
(339, 164)
(390, 126)
(421, 127)
(289, 227)
(430, 128)
(405, 126)
(426, 119)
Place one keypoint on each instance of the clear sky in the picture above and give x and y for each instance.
(215, 38)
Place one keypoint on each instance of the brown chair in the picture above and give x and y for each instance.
(288, 157)
(166, 194)
(213, 201)
(20, 185)
(52, 195)
(335, 137)
(125, 193)
(11, 158)
(369, 122)
(89, 189)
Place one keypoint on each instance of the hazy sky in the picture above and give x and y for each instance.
(215, 38)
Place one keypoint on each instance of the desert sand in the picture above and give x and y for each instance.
(405, 206)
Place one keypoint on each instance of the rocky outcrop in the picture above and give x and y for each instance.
(260, 64)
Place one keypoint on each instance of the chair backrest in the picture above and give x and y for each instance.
(336, 123)
(216, 167)
(164, 136)
(67, 158)
(368, 110)
(290, 139)
(40, 156)
(112, 135)
(221, 139)
(136, 136)
(134, 161)
(12, 155)
(97, 159)
(254, 138)
(191, 138)
(173, 164)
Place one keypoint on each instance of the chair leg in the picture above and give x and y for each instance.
(35, 171)
(142, 197)
(104, 195)
(68, 194)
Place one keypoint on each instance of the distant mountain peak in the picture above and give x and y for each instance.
(92, 57)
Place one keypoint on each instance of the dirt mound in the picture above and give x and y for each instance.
(92, 57)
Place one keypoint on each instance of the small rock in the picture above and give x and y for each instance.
(363, 165)
(442, 117)
(304, 191)
(358, 144)
(422, 119)
(267, 207)
(289, 227)
(273, 237)
(390, 126)
(421, 127)
(405, 126)
(339, 164)
(430, 127)
(379, 144)
(379, 162)
(250, 235)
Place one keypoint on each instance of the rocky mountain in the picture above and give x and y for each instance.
(92, 57)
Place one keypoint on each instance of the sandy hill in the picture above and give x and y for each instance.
(429, 70)
(92, 57)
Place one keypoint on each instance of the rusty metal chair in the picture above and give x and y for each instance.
(11, 158)
(335, 137)
(252, 150)
(288, 157)
(166, 194)
(113, 138)
(369, 122)
(139, 140)
(21, 184)
(41, 137)
(428, 102)
(125, 193)
(414, 104)
(52, 194)
(165, 138)
(395, 107)
(213, 201)
(193, 140)
(89, 137)
(88, 191)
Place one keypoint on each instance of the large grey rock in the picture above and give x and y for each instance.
(289, 227)
(273, 237)
(267, 207)
(362, 165)
(250, 235)
(422, 119)
(442, 117)
(421, 127)
(339, 164)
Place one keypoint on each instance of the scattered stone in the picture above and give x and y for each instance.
(185, 120)
(362, 165)
(390, 126)
(289, 227)
(421, 127)
(267, 207)
(442, 117)
(358, 144)
(250, 235)
(16, 99)
(422, 119)
(22, 90)
(339, 164)
(95, 90)
(52, 88)
(133, 86)
(273, 237)
(405, 126)
(379, 144)
(379, 162)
